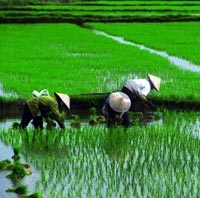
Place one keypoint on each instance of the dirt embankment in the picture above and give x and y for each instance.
(15, 108)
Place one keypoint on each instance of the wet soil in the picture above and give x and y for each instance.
(82, 20)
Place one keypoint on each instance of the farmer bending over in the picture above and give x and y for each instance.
(116, 109)
(46, 107)
(138, 89)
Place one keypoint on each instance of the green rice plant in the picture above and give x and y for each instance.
(163, 38)
(4, 164)
(141, 33)
(79, 12)
(18, 172)
(87, 64)
(153, 160)
(75, 121)
(20, 190)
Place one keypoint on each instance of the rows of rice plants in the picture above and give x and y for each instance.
(143, 161)
(178, 38)
(103, 11)
(73, 60)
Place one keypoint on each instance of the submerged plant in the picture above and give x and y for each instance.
(34, 195)
(16, 125)
(75, 121)
(16, 156)
(4, 164)
(18, 171)
(20, 190)
(94, 118)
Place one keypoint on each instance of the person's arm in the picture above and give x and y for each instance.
(144, 99)
(56, 115)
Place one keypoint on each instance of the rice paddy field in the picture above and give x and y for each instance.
(74, 60)
(153, 160)
(95, 11)
(94, 47)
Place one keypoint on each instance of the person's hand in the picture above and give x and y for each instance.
(152, 105)
(119, 119)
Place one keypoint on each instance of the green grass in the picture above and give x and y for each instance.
(69, 59)
(178, 39)
(159, 160)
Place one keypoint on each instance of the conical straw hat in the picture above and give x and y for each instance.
(65, 98)
(119, 102)
(155, 81)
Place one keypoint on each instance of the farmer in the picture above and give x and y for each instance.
(116, 108)
(38, 119)
(46, 107)
(138, 89)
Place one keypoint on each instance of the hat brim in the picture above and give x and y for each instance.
(155, 81)
(65, 98)
(119, 102)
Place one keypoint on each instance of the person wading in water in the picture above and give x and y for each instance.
(138, 89)
(116, 108)
(45, 106)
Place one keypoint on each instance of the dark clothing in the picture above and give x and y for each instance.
(111, 116)
(27, 117)
(133, 96)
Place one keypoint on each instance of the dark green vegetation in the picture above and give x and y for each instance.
(102, 11)
(18, 171)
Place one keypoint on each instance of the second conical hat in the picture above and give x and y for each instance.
(155, 81)
(65, 98)
(119, 102)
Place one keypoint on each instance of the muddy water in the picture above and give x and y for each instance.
(179, 62)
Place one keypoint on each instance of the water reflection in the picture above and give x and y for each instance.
(181, 63)
(98, 162)
(29, 181)
(7, 123)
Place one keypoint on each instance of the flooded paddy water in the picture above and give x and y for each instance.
(179, 62)
(153, 157)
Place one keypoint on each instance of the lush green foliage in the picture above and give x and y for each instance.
(67, 58)
(177, 39)
(158, 160)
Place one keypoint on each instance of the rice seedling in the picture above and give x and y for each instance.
(4, 164)
(163, 34)
(143, 161)
(89, 57)
(20, 190)
(18, 172)
(114, 11)
(159, 159)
